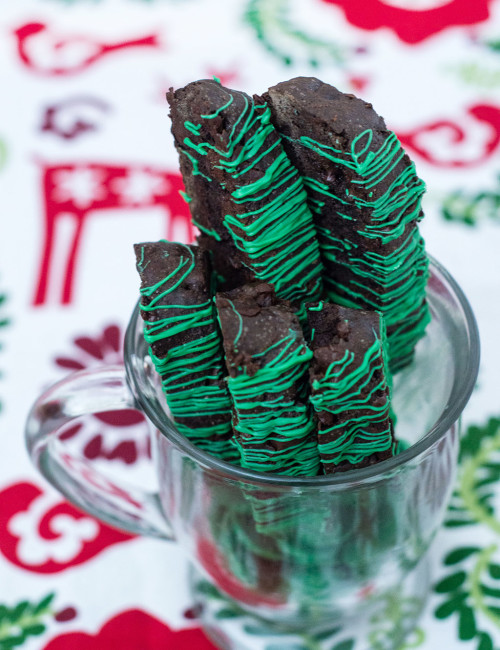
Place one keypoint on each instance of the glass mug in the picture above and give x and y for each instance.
(284, 562)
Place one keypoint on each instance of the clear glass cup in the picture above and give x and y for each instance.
(281, 562)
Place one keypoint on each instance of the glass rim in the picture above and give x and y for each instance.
(447, 419)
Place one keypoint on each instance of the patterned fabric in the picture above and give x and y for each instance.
(87, 167)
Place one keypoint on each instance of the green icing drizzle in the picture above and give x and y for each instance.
(271, 222)
(207, 231)
(185, 196)
(215, 113)
(348, 391)
(193, 128)
(140, 263)
(196, 167)
(399, 275)
(191, 372)
(240, 325)
(269, 417)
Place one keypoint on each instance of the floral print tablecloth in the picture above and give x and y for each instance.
(87, 167)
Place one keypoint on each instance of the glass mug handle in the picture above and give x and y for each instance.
(83, 393)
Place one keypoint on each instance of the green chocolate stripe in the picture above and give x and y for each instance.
(397, 275)
(192, 372)
(271, 223)
(361, 422)
(274, 431)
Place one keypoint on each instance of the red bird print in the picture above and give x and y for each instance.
(46, 52)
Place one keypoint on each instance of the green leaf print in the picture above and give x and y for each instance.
(471, 588)
(485, 642)
(396, 615)
(23, 620)
(472, 208)
(271, 22)
(473, 498)
(452, 606)
(493, 45)
(344, 645)
(467, 624)
(460, 554)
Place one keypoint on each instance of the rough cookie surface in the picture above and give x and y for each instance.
(267, 360)
(365, 196)
(248, 199)
(349, 389)
(185, 344)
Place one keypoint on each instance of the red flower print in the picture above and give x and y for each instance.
(416, 20)
(113, 435)
(133, 630)
(43, 534)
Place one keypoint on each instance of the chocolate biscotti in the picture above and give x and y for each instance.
(366, 199)
(206, 205)
(267, 359)
(279, 356)
(350, 389)
(250, 205)
(185, 345)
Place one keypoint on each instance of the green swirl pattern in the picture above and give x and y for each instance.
(271, 22)
(472, 209)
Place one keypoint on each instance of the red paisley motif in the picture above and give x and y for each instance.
(17, 499)
(485, 115)
(411, 25)
(133, 630)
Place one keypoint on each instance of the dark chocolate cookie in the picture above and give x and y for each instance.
(267, 360)
(350, 390)
(185, 344)
(366, 199)
(246, 196)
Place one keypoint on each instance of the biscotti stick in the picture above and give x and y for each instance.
(366, 199)
(206, 206)
(228, 140)
(185, 345)
(350, 389)
(267, 360)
